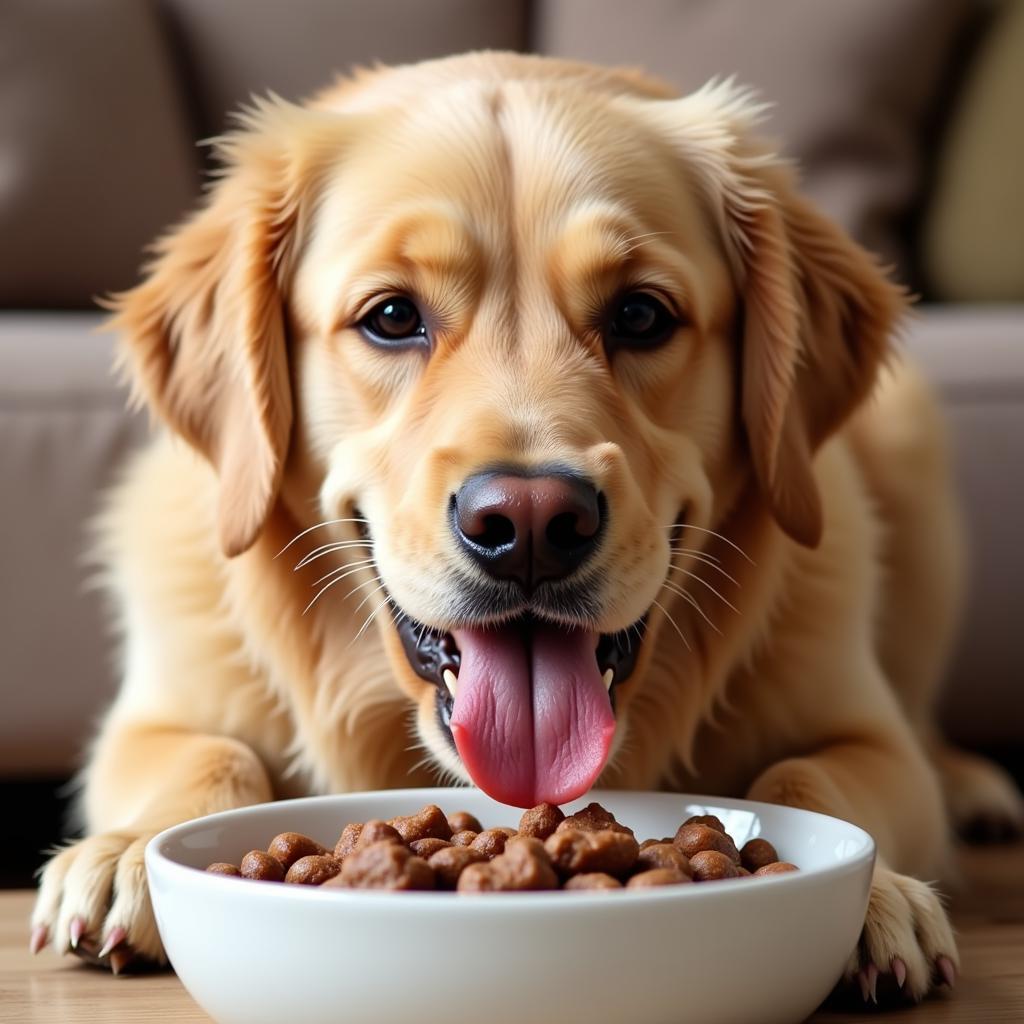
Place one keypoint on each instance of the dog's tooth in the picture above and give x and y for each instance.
(608, 678)
(451, 680)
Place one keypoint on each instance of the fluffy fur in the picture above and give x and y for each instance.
(798, 621)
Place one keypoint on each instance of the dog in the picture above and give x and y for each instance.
(523, 426)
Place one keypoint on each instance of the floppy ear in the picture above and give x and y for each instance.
(817, 310)
(204, 337)
(818, 314)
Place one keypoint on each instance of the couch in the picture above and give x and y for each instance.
(898, 111)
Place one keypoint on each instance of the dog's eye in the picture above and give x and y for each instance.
(640, 320)
(394, 321)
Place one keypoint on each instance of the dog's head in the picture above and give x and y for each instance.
(526, 332)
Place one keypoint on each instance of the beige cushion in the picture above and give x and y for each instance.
(96, 152)
(975, 357)
(64, 438)
(851, 81)
(234, 48)
(974, 236)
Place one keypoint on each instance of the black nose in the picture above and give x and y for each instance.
(527, 528)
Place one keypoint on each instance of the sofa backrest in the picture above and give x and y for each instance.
(101, 102)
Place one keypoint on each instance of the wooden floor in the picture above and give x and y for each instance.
(988, 913)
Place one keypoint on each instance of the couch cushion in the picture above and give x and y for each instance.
(851, 82)
(234, 48)
(973, 242)
(64, 436)
(97, 152)
(975, 356)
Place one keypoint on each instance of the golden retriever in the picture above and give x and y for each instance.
(579, 437)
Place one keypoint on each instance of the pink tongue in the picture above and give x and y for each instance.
(532, 720)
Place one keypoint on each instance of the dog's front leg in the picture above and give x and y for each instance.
(883, 782)
(93, 897)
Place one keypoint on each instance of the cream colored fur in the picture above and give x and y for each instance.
(823, 562)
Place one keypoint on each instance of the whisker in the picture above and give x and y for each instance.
(714, 565)
(352, 566)
(317, 526)
(695, 552)
(700, 579)
(664, 610)
(691, 600)
(373, 614)
(320, 593)
(735, 547)
(375, 590)
(326, 549)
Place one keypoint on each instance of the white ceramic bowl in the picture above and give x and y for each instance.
(760, 950)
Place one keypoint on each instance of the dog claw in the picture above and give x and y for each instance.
(120, 959)
(114, 939)
(899, 971)
(38, 939)
(872, 973)
(947, 970)
(862, 980)
(76, 929)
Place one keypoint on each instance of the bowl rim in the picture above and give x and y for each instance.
(157, 859)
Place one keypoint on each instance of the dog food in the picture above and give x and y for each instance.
(586, 851)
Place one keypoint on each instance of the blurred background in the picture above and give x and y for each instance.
(907, 117)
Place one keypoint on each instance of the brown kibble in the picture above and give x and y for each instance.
(312, 870)
(221, 868)
(588, 850)
(711, 820)
(384, 865)
(593, 818)
(463, 821)
(449, 863)
(593, 880)
(377, 831)
(540, 821)
(426, 848)
(661, 856)
(756, 853)
(523, 867)
(260, 865)
(712, 865)
(428, 823)
(779, 867)
(695, 838)
(490, 842)
(658, 876)
(576, 852)
(288, 847)
(347, 840)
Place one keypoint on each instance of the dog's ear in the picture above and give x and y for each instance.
(817, 318)
(817, 310)
(204, 335)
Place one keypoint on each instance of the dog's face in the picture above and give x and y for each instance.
(526, 341)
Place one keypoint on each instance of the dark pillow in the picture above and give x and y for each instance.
(97, 155)
(852, 83)
(233, 48)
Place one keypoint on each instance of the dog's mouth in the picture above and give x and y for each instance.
(528, 704)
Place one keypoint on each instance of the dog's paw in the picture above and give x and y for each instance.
(907, 944)
(984, 803)
(94, 901)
